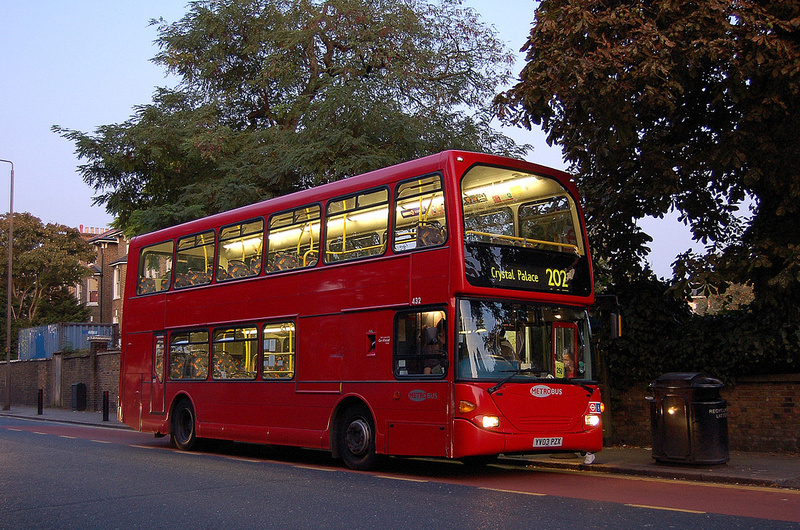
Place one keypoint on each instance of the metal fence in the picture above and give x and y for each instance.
(41, 342)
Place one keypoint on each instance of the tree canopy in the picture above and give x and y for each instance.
(675, 104)
(47, 257)
(279, 95)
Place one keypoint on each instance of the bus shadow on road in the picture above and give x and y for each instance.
(407, 466)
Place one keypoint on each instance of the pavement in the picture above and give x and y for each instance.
(744, 468)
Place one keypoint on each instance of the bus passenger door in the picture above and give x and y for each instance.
(416, 420)
(157, 375)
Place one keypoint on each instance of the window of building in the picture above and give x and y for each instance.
(420, 219)
(356, 227)
(188, 355)
(420, 344)
(240, 246)
(155, 267)
(278, 342)
(92, 289)
(234, 353)
(194, 260)
(117, 284)
(294, 239)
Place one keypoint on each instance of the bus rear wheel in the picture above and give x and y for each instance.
(356, 439)
(183, 435)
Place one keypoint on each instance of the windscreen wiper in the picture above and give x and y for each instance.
(585, 385)
(496, 387)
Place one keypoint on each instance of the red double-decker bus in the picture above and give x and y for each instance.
(433, 308)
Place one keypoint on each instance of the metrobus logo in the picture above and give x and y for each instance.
(421, 395)
(543, 391)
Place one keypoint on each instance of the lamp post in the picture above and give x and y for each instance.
(7, 405)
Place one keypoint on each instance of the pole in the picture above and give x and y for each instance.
(7, 404)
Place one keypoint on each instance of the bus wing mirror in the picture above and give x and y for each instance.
(606, 314)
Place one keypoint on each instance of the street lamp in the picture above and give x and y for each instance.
(7, 405)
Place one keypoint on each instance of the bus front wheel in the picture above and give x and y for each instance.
(183, 434)
(356, 439)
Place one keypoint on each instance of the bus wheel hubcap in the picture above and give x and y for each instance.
(358, 437)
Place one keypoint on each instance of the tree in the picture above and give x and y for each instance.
(675, 104)
(279, 95)
(47, 257)
(62, 306)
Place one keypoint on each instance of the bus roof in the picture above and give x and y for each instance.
(372, 179)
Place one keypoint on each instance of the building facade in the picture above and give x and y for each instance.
(102, 291)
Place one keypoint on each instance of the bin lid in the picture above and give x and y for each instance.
(686, 380)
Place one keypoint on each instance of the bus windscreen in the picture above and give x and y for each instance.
(528, 341)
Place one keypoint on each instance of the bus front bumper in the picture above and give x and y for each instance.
(471, 440)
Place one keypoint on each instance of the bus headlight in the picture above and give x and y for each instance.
(591, 420)
(490, 422)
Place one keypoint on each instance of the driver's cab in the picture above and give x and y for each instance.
(542, 342)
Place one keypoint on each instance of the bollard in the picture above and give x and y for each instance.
(105, 405)
(40, 402)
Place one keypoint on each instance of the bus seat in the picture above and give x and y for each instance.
(285, 261)
(147, 285)
(237, 269)
(181, 280)
(430, 234)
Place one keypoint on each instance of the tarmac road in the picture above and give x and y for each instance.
(747, 468)
(519, 493)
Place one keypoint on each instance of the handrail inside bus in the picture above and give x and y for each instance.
(305, 256)
(524, 240)
(352, 250)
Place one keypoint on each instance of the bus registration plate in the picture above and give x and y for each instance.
(548, 442)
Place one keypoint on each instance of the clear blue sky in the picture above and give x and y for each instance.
(81, 64)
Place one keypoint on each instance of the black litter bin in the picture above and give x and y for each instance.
(78, 396)
(689, 419)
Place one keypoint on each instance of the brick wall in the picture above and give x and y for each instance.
(763, 415)
(629, 422)
(27, 377)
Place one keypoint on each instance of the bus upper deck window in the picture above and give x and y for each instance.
(420, 219)
(155, 268)
(293, 239)
(239, 253)
(194, 259)
(514, 208)
(357, 226)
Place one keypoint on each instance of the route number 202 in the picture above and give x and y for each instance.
(557, 278)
